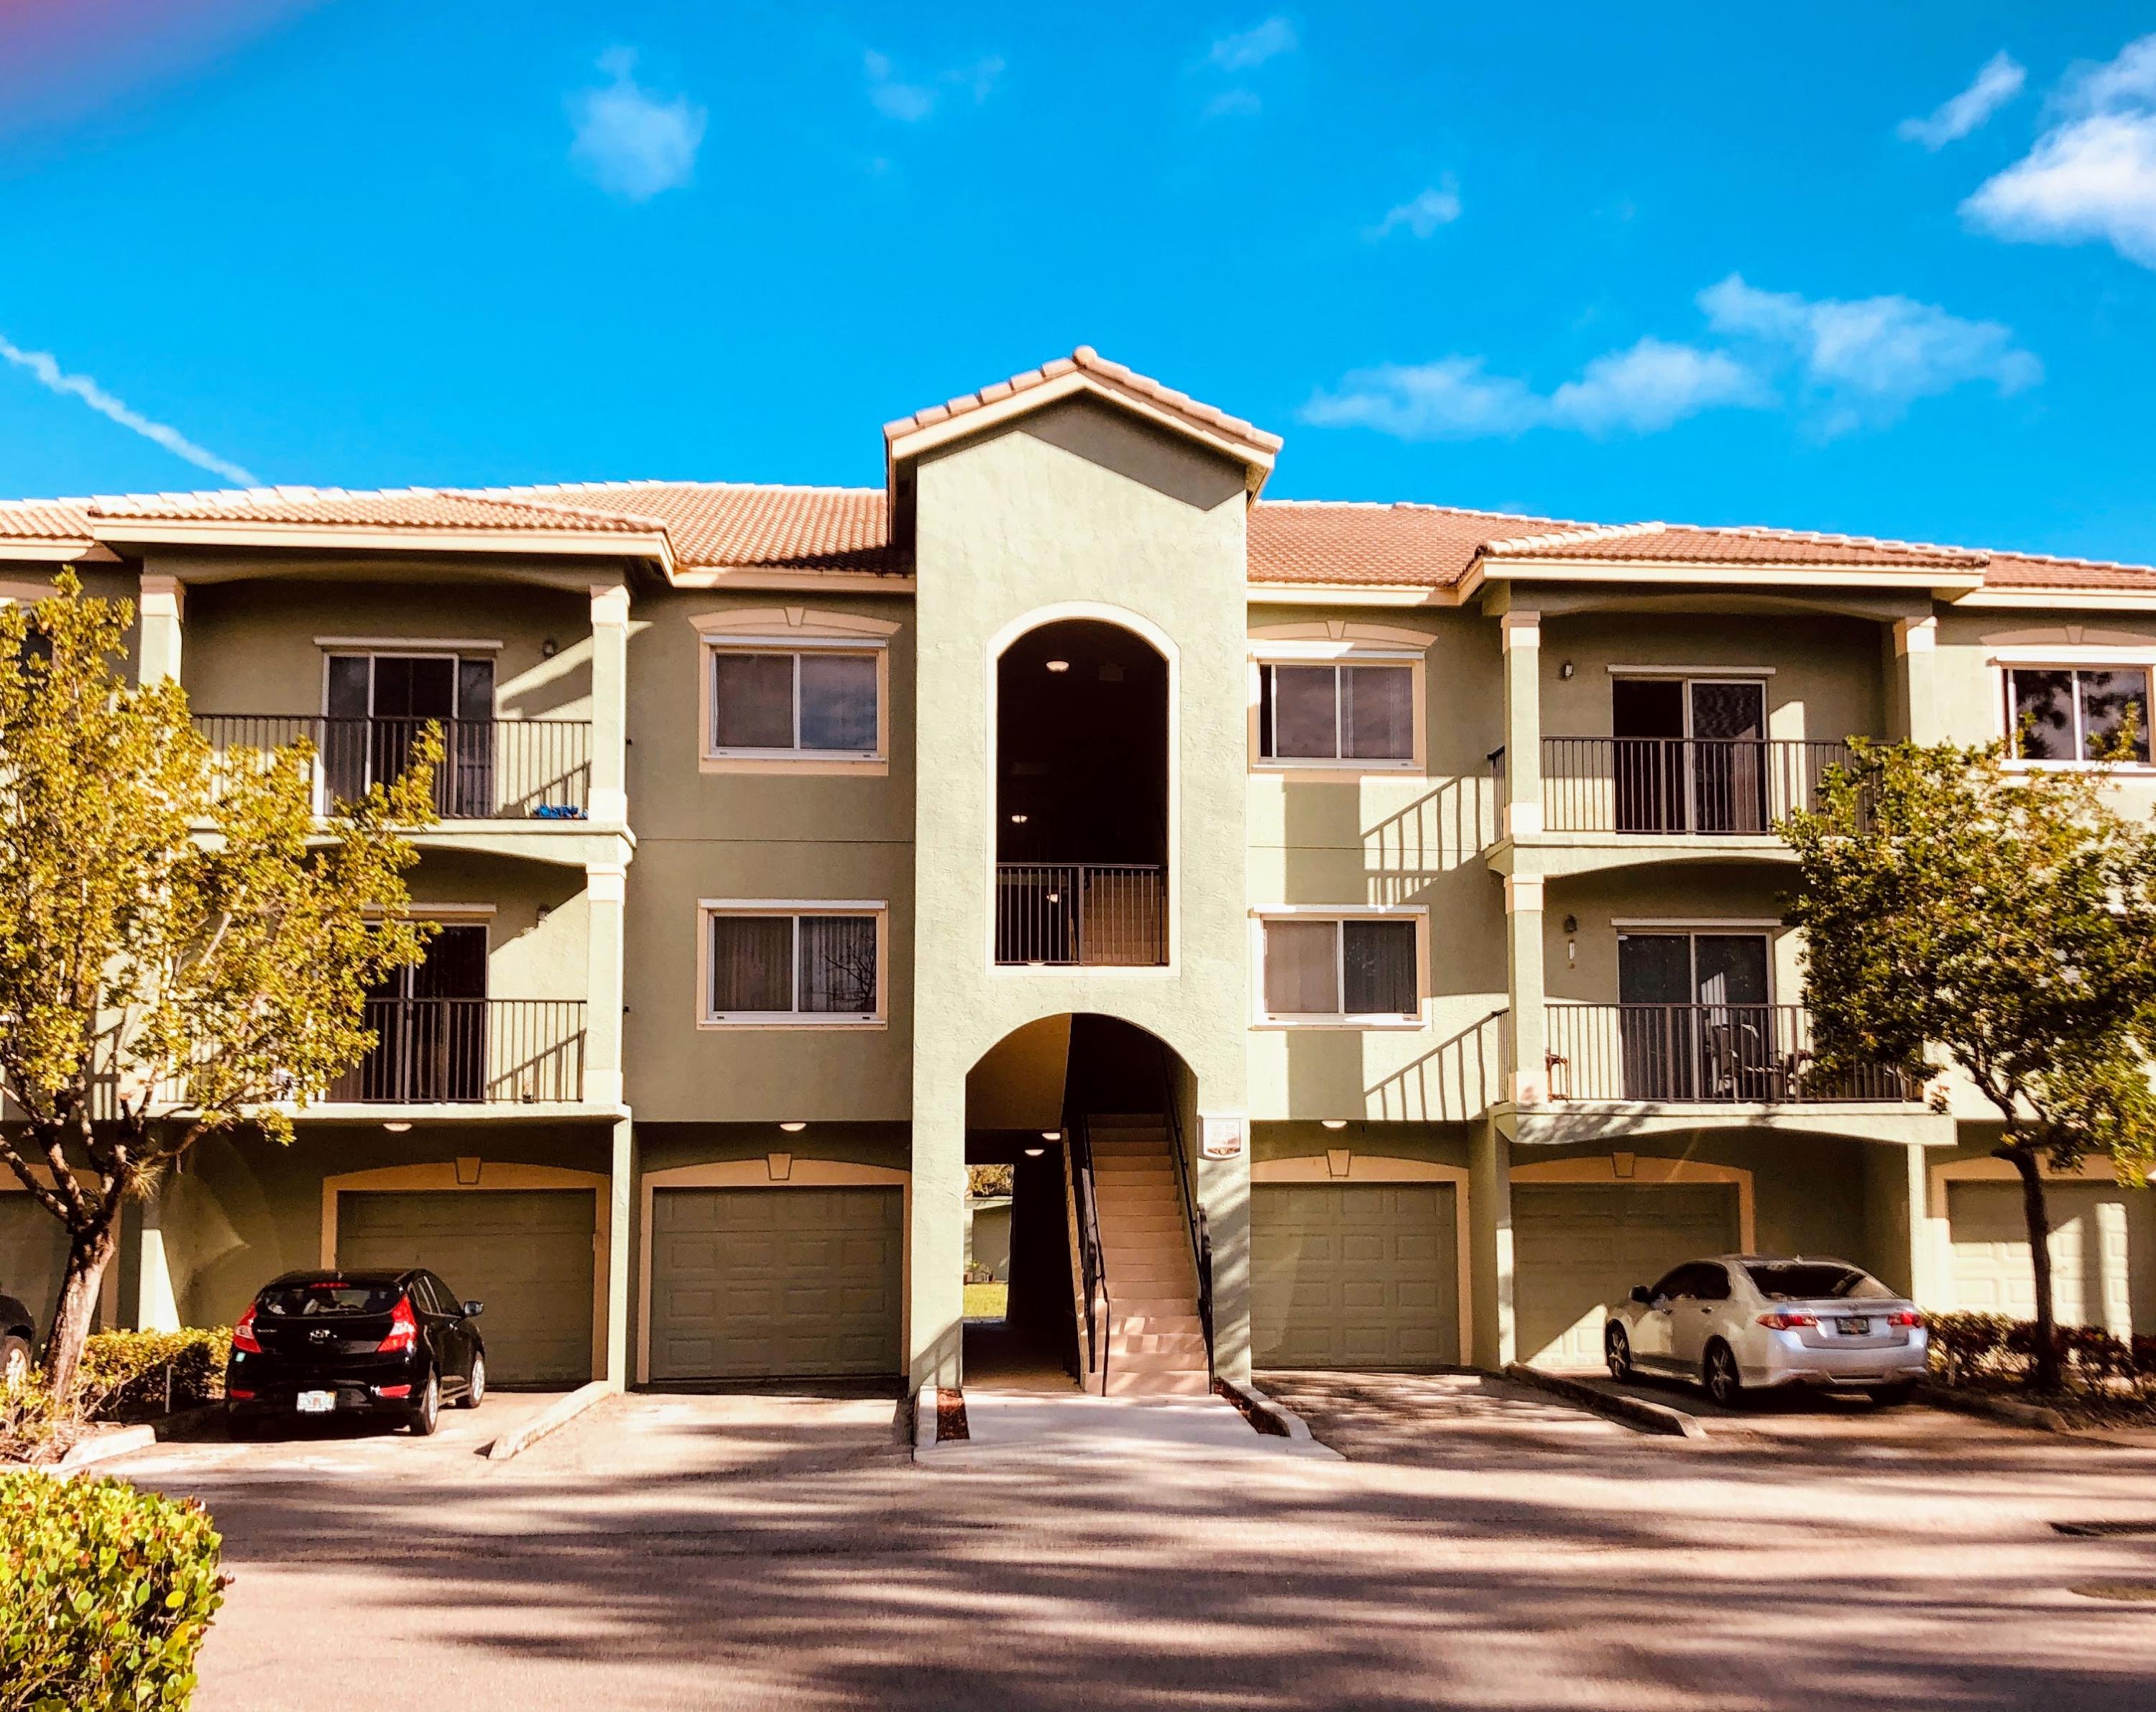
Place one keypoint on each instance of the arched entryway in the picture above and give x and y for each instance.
(1082, 1195)
(1081, 797)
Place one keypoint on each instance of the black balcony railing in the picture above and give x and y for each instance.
(464, 1051)
(1688, 785)
(1717, 1054)
(1091, 914)
(508, 769)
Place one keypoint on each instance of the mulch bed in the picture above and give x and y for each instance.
(950, 1416)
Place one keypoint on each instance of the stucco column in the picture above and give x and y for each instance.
(1915, 641)
(1522, 806)
(1527, 1076)
(157, 617)
(605, 886)
(936, 1245)
(156, 1302)
(1490, 1238)
(621, 1199)
(609, 802)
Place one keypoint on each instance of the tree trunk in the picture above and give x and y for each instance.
(89, 1253)
(2044, 1373)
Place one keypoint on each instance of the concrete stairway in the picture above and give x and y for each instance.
(1156, 1341)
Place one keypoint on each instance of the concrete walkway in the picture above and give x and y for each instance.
(1026, 1424)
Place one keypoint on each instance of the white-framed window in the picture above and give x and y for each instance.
(811, 701)
(812, 965)
(2075, 714)
(1356, 712)
(1355, 969)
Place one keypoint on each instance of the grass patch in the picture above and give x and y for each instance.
(987, 1301)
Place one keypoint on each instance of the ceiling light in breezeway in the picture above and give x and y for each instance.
(396, 1128)
(1035, 1153)
(793, 1129)
(1059, 666)
(1332, 1123)
(1051, 1135)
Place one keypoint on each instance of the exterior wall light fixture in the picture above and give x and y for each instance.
(1059, 666)
(793, 1129)
(1049, 1135)
(396, 1128)
(1018, 820)
(1332, 1123)
(1035, 1153)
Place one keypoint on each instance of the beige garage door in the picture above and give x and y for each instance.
(2091, 1246)
(527, 1253)
(1578, 1248)
(33, 1256)
(756, 1283)
(1354, 1275)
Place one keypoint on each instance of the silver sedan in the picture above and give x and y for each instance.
(1746, 1321)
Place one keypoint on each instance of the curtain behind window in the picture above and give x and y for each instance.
(1377, 962)
(752, 698)
(838, 964)
(1377, 712)
(1302, 977)
(1304, 714)
(839, 702)
(752, 962)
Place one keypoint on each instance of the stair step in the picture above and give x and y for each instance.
(1188, 1346)
(1147, 1302)
(1123, 1383)
(1168, 1270)
(1155, 1325)
(1161, 1362)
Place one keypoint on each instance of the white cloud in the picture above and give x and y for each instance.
(49, 374)
(1997, 84)
(1234, 103)
(1649, 386)
(1864, 361)
(910, 103)
(1250, 48)
(2092, 174)
(630, 143)
(1423, 214)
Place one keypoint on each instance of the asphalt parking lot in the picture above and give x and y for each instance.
(1482, 1545)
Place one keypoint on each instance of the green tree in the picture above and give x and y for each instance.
(2003, 922)
(182, 949)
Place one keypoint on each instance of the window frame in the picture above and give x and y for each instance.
(1267, 652)
(709, 909)
(2076, 663)
(1338, 916)
(738, 757)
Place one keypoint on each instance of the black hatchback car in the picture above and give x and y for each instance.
(391, 1344)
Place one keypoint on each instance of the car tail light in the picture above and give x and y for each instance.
(237, 1396)
(1907, 1317)
(403, 1330)
(242, 1334)
(1782, 1320)
(392, 1391)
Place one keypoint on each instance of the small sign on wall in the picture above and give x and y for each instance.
(1220, 1135)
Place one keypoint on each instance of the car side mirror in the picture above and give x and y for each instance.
(1643, 1296)
(473, 1309)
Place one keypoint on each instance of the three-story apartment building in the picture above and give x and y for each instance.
(1358, 925)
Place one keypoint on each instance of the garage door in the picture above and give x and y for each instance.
(2091, 1282)
(1578, 1248)
(527, 1253)
(33, 1256)
(1354, 1275)
(753, 1283)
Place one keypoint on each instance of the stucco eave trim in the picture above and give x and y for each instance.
(1350, 594)
(763, 577)
(1943, 582)
(2049, 600)
(315, 537)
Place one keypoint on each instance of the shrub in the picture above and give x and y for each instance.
(1969, 1347)
(35, 1426)
(105, 1594)
(123, 1373)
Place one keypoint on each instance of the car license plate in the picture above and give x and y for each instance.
(1855, 1327)
(317, 1402)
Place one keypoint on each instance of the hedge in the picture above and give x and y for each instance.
(1972, 1346)
(123, 1373)
(105, 1594)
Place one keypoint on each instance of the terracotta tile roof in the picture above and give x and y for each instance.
(1114, 375)
(1665, 544)
(1325, 543)
(45, 520)
(733, 523)
(334, 508)
(2025, 570)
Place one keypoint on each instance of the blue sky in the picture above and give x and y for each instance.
(1887, 269)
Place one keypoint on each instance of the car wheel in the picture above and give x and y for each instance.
(1617, 1350)
(476, 1392)
(1725, 1384)
(14, 1362)
(429, 1414)
(1892, 1396)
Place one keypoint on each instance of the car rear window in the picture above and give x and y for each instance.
(315, 1301)
(1813, 1281)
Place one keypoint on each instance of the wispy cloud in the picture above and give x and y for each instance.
(1234, 104)
(1422, 215)
(1841, 365)
(2091, 174)
(1246, 49)
(1999, 81)
(46, 369)
(912, 102)
(630, 143)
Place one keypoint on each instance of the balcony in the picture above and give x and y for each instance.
(1085, 915)
(1701, 1054)
(1677, 787)
(469, 1052)
(492, 769)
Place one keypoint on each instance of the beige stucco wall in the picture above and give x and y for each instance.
(1081, 511)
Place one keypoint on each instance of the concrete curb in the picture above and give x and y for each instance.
(104, 1447)
(550, 1419)
(2035, 1415)
(1631, 1411)
(924, 1420)
(1256, 1403)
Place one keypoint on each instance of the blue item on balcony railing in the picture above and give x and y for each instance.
(557, 811)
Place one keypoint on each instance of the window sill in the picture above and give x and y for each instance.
(1335, 772)
(1341, 1025)
(2130, 769)
(804, 763)
(794, 1023)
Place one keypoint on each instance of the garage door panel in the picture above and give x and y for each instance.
(1578, 1249)
(778, 1282)
(527, 1253)
(2091, 1246)
(1354, 1275)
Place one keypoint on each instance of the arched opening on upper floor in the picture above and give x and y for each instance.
(1081, 798)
